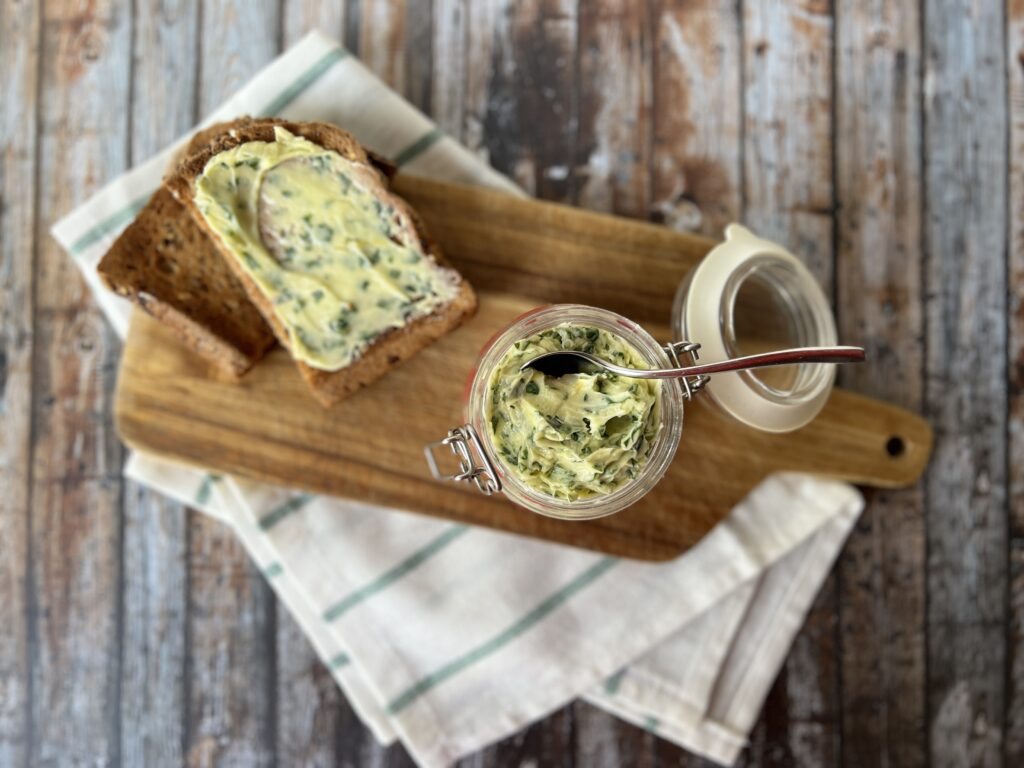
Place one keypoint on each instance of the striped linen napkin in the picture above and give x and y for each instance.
(449, 637)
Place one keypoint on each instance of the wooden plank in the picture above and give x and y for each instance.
(382, 39)
(788, 129)
(449, 63)
(788, 197)
(697, 123)
(527, 112)
(310, 705)
(882, 569)
(19, 65)
(153, 635)
(299, 17)
(605, 741)
(155, 574)
(545, 742)
(965, 377)
(613, 143)
(486, 23)
(76, 486)
(231, 658)
(231, 663)
(1014, 746)
(419, 57)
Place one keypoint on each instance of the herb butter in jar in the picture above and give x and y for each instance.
(579, 446)
(576, 436)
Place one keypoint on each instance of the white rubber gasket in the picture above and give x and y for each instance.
(702, 322)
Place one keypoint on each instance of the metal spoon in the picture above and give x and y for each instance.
(567, 361)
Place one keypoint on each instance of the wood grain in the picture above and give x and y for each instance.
(613, 145)
(299, 17)
(965, 377)
(881, 571)
(1014, 742)
(225, 427)
(19, 67)
(230, 662)
(696, 116)
(154, 567)
(788, 197)
(75, 541)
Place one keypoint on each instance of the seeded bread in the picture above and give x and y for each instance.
(392, 346)
(165, 264)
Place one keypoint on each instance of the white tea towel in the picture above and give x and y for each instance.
(450, 637)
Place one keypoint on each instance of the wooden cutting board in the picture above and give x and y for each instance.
(518, 254)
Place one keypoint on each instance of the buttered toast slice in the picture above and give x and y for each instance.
(165, 263)
(340, 267)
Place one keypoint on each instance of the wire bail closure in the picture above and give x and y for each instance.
(677, 351)
(474, 463)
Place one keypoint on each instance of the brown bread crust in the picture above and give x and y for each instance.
(166, 265)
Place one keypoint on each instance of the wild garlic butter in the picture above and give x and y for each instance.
(327, 254)
(576, 436)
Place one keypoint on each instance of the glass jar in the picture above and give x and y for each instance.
(496, 475)
(747, 295)
(750, 295)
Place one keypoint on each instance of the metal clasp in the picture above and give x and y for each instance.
(683, 353)
(474, 464)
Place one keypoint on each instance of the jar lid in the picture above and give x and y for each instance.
(750, 295)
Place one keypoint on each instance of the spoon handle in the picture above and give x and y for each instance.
(765, 359)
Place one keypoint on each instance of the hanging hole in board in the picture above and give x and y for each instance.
(895, 446)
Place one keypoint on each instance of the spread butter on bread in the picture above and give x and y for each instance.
(340, 267)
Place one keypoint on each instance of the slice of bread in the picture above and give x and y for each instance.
(167, 265)
(389, 348)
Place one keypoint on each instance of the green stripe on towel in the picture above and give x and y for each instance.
(389, 577)
(205, 489)
(484, 650)
(418, 147)
(272, 570)
(339, 661)
(280, 512)
(611, 685)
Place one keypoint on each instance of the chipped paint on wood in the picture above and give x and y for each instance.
(613, 146)
(788, 195)
(879, 194)
(1014, 63)
(19, 65)
(696, 116)
(154, 588)
(75, 516)
(382, 36)
(299, 17)
(965, 226)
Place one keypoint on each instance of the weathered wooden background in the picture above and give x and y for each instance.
(882, 140)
